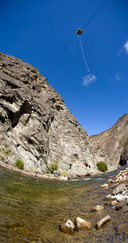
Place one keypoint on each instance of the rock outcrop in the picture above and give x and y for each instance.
(37, 127)
(111, 146)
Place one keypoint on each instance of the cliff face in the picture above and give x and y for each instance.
(36, 126)
(124, 154)
(111, 146)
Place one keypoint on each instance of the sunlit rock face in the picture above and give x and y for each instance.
(111, 146)
(124, 154)
(37, 127)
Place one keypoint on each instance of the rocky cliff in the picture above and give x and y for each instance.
(111, 146)
(36, 126)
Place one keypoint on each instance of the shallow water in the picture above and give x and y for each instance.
(31, 209)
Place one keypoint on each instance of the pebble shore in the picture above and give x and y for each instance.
(117, 199)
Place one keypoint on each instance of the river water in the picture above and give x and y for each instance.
(31, 209)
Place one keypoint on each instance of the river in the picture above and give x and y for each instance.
(32, 208)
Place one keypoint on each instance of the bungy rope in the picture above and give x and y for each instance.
(72, 48)
(83, 54)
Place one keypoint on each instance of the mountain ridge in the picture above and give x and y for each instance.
(112, 142)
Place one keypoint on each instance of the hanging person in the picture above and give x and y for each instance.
(79, 32)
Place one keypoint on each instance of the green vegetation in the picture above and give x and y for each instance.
(54, 166)
(19, 164)
(32, 171)
(64, 172)
(102, 166)
(6, 151)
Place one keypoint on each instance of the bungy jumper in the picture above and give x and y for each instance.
(79, 32)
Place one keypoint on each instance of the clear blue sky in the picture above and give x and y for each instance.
(43, 33)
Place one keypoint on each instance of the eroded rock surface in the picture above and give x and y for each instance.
(111, 146)
(37, 127)
(124, 154)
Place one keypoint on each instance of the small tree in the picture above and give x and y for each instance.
(54, 165)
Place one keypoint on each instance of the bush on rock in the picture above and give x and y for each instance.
(20, 164)
(102, 166)
(54, 166)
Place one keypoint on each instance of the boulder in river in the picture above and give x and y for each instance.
(102, 221)
(109, 197)
(105, 185)
(114, 203)
(97, 208)
(82, 224)
(67, 227)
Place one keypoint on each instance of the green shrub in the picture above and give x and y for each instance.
(20, 164)
(54, 166)
(64, 172)
(32, 171)
(102, 166)
(6, 151)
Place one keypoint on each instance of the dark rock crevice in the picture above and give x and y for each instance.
(8, 98)
(124, 155)
(26, 108)
(2, 118)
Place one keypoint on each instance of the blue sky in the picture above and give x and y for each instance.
(43, 33)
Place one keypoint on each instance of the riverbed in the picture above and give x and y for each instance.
(32, 208)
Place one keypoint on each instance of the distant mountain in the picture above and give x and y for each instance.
(113, 143)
